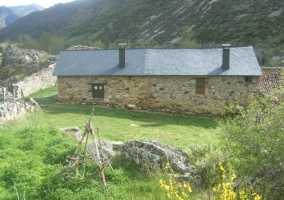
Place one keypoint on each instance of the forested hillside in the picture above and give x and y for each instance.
(160, 23)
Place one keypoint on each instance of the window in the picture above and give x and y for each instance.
(200, 86)
(248, 79)
(98, 91)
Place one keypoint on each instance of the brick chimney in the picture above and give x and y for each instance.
(226, 56)
(121, 54)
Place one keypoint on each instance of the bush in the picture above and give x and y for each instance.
(206, 158)
(257, 142)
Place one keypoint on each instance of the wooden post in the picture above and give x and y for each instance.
(100, 165)
(100, 147)
(3, 90)
(23, 98)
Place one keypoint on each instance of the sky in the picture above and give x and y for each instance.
(43, 3)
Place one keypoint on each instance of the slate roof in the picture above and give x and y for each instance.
(141, 62)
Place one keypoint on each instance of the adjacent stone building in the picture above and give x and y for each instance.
(184, 81)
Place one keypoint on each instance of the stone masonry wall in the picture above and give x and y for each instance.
(37, 81)
(171, 94)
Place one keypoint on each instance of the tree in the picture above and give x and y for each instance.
(27, 42)
(98, 44)
(44, 42)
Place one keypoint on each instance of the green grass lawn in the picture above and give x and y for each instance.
(123, 125)
(33, 151)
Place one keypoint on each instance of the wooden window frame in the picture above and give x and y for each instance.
(98, 90)
(200, 86)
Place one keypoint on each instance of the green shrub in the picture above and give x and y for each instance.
(206, 158)
(256, 138)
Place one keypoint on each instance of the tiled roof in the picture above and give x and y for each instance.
(157, 62)
(271, 79)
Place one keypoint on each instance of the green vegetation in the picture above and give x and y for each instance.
(245, 164)
(257, 23)
(46, 42)
(257, 143)
(33, 151)
(124, 125)
(157, 24)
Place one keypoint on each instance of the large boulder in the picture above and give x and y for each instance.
(153, 155)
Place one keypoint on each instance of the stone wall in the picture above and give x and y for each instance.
(12, 108)
(172, 94)
(37, 81)
(271, 79)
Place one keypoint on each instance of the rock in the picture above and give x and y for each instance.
(117, 146)
(153, 155)
(26, 60)
(73, 132)
(107, 149)
(131, 106)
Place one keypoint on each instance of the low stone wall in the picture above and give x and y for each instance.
(170, 94)
(37, 81)
(14, 108)
(10, 110)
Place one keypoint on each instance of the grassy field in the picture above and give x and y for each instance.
(33, 151)
(124, 125)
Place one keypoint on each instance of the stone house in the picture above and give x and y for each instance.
(185, 81)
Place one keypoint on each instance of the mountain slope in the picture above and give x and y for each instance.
(243, 22)
(7, 16)
(26, 9)
(159, 23)
(48, 20)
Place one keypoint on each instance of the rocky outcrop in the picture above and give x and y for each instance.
(82, 47)
(15, 55)
(22, 61)
(37, 65)
(154, 156)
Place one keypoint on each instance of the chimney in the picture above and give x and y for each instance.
(226, 56)
(121, 54)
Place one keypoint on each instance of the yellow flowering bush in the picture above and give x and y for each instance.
(174, 189)
(225, 190)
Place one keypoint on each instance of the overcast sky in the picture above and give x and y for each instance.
(43, 3)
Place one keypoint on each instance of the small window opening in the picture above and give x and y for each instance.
(98, 91)
(200, 86)
(248, 79)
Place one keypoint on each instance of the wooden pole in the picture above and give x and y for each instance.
(100, 147)
(23, 98)
(100, 165)
(86, 142)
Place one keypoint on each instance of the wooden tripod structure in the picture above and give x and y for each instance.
(80, 158)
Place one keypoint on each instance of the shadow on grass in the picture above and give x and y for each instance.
(151, 119)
